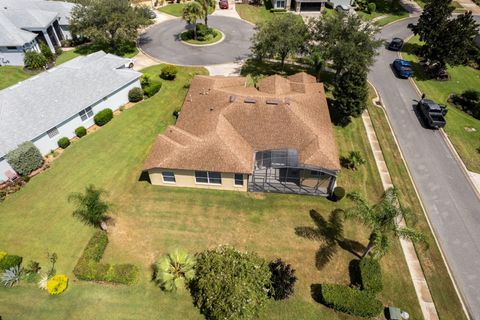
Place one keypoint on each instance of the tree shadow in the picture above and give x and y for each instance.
(316, 292)
(330, 233)
(354, 273)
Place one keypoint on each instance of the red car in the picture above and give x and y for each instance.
(223, 4)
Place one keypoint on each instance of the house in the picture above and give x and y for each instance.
(54, 103)
(277, 138)
(308, 5)
(24, 23)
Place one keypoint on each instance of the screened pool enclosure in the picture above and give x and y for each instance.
(280, 171)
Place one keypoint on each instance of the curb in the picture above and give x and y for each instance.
(455, 286)
(202, 45)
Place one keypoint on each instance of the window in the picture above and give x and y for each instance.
(280, 4)
(238, 179)
(168, 177)
(52, 132)
(208, 177)
(11, 48)
(85, 114)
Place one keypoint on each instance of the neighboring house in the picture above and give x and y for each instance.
(278, 138)
(24, 23)
(307, 5)
(54, 103)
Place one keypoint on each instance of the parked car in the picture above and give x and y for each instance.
(129, 64)
(223, 4)
(432, 113)
(402, 68)
(396, 44)
(152, 14)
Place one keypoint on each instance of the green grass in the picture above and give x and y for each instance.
(66, 56)
(441, 287)
(151, 220)
(9, 75)
(185, 37)
(176, 9)
(462, 78)
(256, 14)
(391, 9)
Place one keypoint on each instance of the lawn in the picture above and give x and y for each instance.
(459, 124)
(9, 75)
(392, 11)
(441, 287)
(176, 9)
(151, 220)
(67, 56)
(256, 14)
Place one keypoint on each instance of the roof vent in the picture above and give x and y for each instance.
(275, 102)
(231, 99)
(249, 100)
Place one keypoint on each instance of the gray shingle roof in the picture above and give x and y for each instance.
(34, 106)
(11, 35)
(62, 8)
(29, 18)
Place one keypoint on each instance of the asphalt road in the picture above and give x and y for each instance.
(162, 42)
(450, 201)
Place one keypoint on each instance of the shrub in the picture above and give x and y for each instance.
(283, 279)
(80, 132)
(63, 142)
(42, 283)
(230, 284)
(103, 117)
(169, 72)
(135, 95)
(372, 7)
(57, 284)
(47, 53)
(58, 51)
(152, 89)
(338, 193)
(469, 102)
(88, 267)
(25, 158)
(2, 255)
(353, 160)
(371, 275)
(350, 300)
(33, 267)
(174, 269)
(9, 261)
(329, 5)
(145, 81)
(11, 276)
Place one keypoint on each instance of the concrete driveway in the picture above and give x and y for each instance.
(162, 43)
(450, 201)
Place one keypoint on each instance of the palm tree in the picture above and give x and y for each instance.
(174, 269)
(383, 218)
(191, 13)
(330, 232)
(317, 62)
(353, 161)
(91, 209)
(206, 4)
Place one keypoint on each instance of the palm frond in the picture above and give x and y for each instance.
(412, 235)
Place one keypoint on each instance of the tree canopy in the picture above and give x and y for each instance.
(206, 4)
(279, 37)
(110, 24)
(191, 13)
(447, 39)
(91, 209)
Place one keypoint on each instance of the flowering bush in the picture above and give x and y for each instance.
(57, 284)
(2, 254)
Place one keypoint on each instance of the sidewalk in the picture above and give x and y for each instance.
(469, 5)
(420, 284)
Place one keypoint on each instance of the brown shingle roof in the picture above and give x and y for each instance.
(223, 123)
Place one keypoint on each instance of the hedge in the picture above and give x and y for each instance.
(152, 89)
(135, 95)
(25, 158)
(88, 267)
(350, 300)
(63, 142)
(103, 117)
(371, 275)
(34, 60)
(80, 132)
(9, 261)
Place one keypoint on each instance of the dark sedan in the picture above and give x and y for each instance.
(396, 44)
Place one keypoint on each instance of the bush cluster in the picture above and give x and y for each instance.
(89, 267)
(80, 132)
(34, 60)
(9, 261)
(371, 275)
(230, 284)
(152, 89)
(135, 95)
(25, 158)
(469, 102)
(63, 142)
(103, 117)
(47, 53)
(338, 194)
(57, 284)
(169, 72)
(350, 300)
(283, 279)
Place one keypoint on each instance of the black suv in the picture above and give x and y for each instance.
(396, 44)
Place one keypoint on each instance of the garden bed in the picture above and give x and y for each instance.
(188, 37)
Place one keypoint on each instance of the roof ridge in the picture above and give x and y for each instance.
(170, 140)
(186, 133)
(222, 116)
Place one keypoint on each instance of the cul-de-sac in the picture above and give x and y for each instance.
(240, 159)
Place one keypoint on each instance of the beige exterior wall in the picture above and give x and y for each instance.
(186, 178)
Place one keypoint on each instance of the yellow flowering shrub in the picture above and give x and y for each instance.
(57, 284)
(2, 255)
